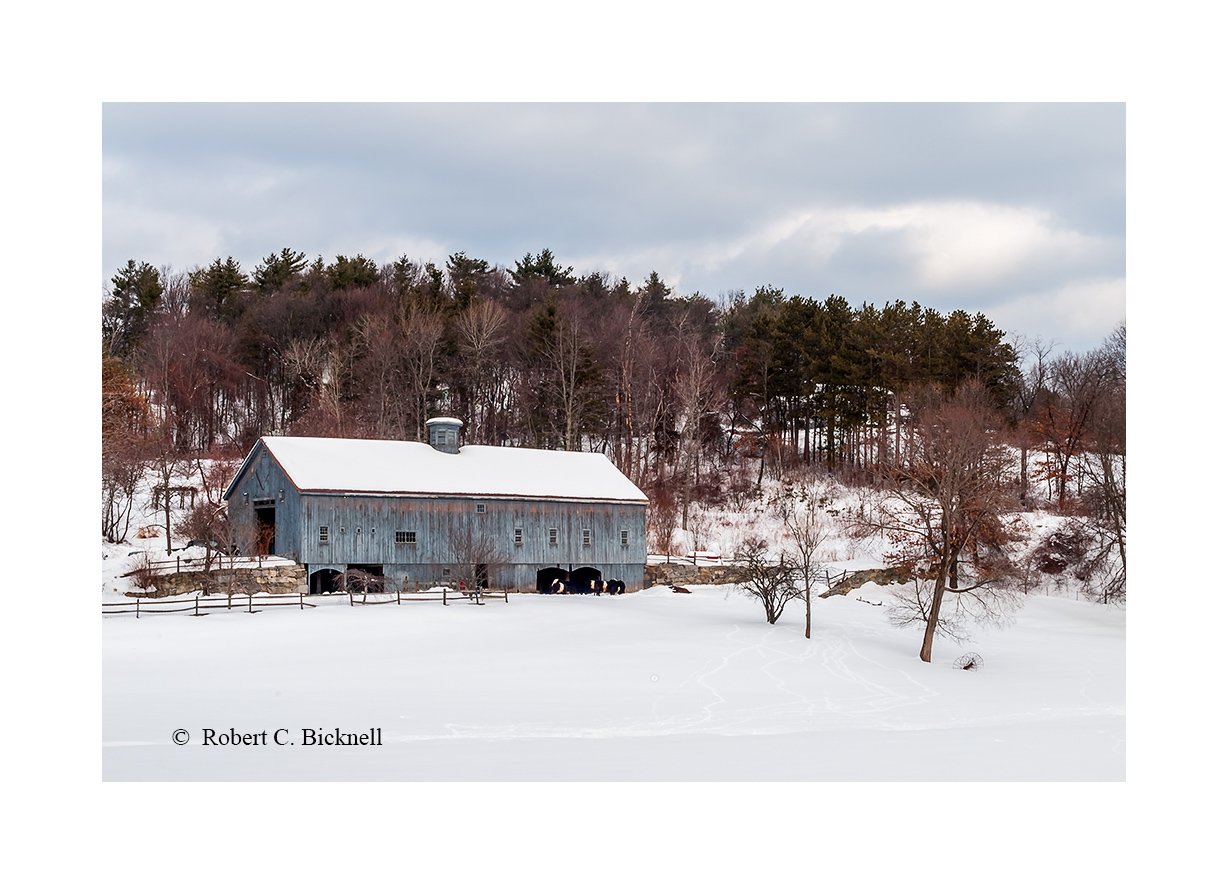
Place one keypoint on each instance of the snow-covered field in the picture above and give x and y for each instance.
(649, 686)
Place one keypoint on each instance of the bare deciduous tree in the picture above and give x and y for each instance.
(808, 523)
(207, 522)
(566, 368)
(1108, 431)
(125, 416)
(770, 580)
(473, 551)
(359, 580)
(169, 467)
(697, 392)
(422, 331)
(1029, 388)
(1079, 385)
(942, 497)
(379, 375)
(481, 337)
(303, 366)
(661, 517)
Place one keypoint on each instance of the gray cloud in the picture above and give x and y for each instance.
(985, 207)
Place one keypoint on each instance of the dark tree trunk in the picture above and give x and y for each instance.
(932, 622)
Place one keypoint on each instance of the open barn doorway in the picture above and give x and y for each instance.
(322, 581)
(586, 578)
(547, 576)
(266, 530)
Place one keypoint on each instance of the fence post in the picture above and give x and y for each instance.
(300, 601)
(138, 607)
(176, 564)
(196, 606)
(249, 603)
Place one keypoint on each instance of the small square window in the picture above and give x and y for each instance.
(324, 533)
(623, 538)
(552, 535)
(481, 508)
(518, 536)
(447, 572)
(409, 537)
(586, 536)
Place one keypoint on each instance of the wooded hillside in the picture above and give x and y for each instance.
(678, 390)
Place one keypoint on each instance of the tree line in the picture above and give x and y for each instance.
(535, 355)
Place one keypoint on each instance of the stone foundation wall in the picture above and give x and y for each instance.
(276, 580)
(686, 572)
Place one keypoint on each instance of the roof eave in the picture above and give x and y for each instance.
(357, 492)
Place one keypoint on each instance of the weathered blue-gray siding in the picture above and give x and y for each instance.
(263, 478)
(363, 529)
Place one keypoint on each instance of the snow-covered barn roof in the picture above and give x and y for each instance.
(378, 466)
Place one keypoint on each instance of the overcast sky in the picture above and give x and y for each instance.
(1014, 210)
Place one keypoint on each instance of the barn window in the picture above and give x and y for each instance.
(324, 533)
(481, 508)
(586, 536)
(518, 536)
(553, 535)
(410, 537)
(447, 572)
(623, 538)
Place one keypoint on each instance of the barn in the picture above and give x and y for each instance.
(420, 513)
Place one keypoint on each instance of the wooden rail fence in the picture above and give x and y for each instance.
(434, 594)
(199, 606)
(831, 579)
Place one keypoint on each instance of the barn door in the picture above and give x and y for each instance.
(266, 530)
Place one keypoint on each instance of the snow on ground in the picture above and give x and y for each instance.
(647, 686)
